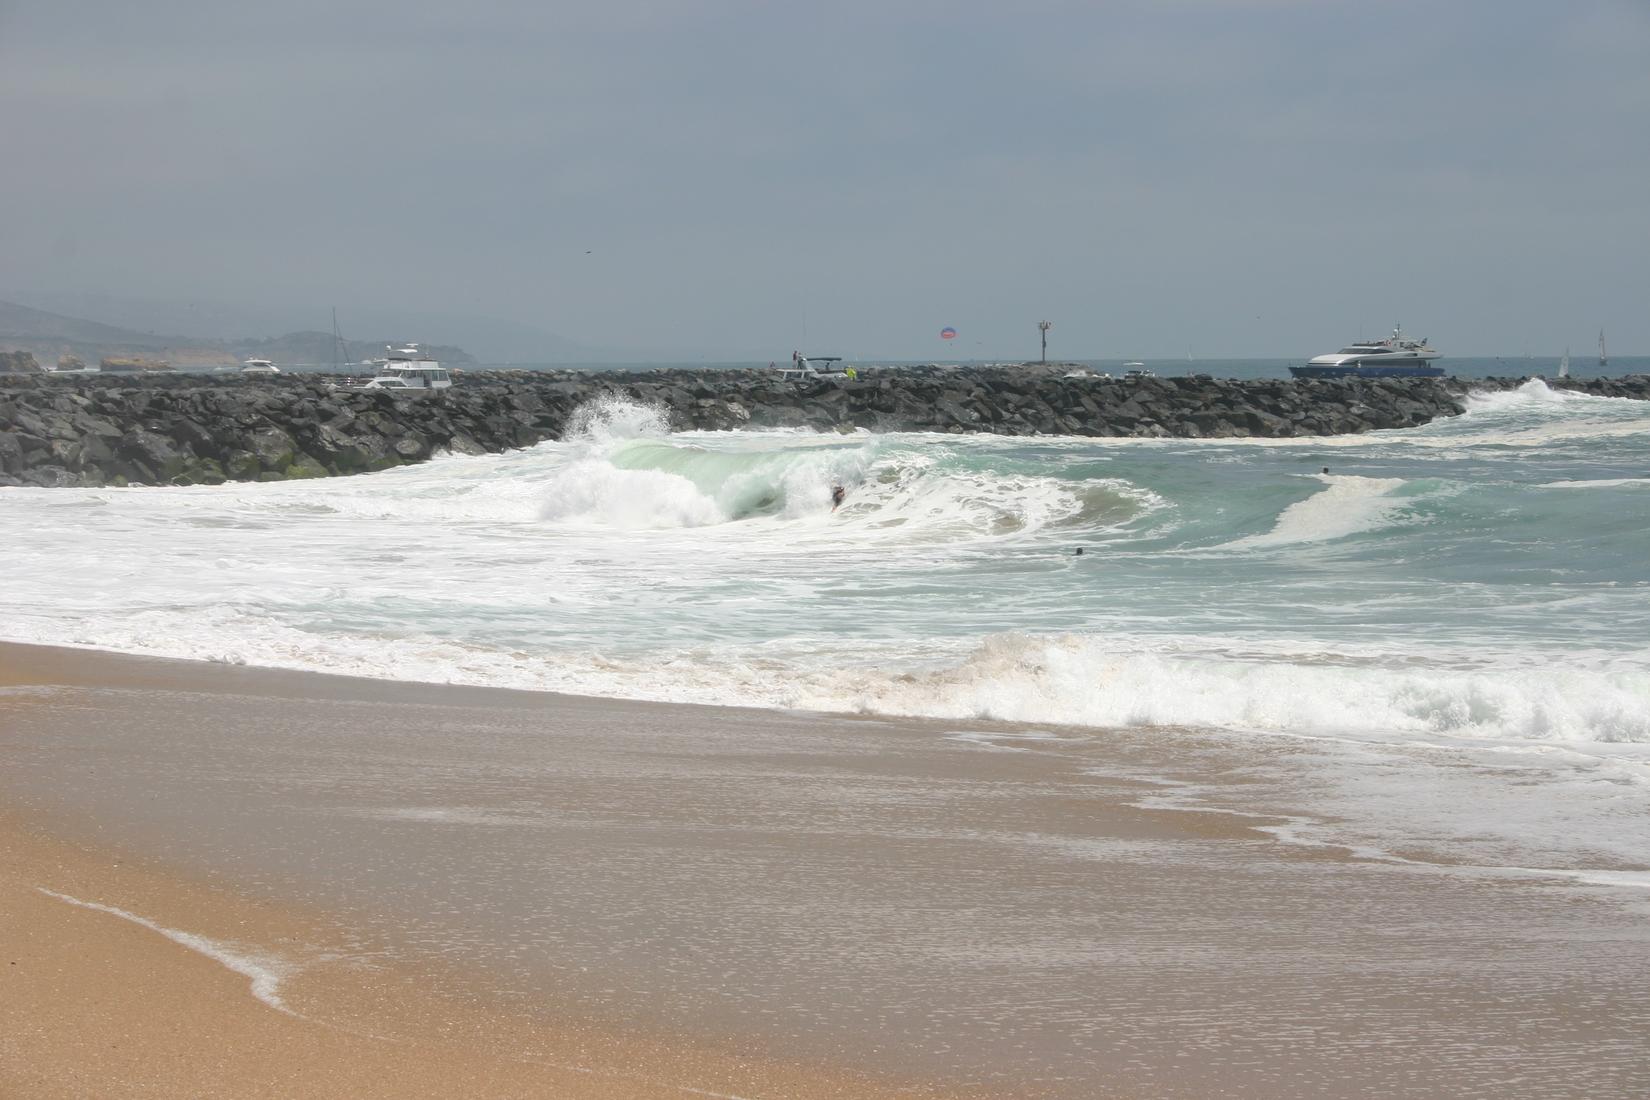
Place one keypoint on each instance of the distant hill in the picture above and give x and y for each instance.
(51, 335)
(489, 339)
(315, 348)
(18, 323)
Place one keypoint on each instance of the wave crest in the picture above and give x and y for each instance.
(1084, 681)
(610, 418)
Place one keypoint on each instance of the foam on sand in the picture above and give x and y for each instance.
(265, 971)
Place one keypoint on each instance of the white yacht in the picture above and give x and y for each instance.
(1394, 357)
(803, 369)
(259, 366)
(407, 368)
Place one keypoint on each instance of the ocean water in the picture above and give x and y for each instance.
(1474, 593)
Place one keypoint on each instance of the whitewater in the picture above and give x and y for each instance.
(1479, 584)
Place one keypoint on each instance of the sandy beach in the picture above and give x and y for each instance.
(235, 881)
(169, 984)
(99, 1001)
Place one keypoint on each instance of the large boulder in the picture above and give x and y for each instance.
(149, 457)
(11, 453)
(274, 449)
(18, 362)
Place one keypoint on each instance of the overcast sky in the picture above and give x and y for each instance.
(1230, 177)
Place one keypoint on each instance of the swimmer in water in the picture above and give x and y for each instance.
(837, 493)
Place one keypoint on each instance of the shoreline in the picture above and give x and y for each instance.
(560, 895)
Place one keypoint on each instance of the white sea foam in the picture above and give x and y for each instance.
(1349, 506)
(607, 419)
(1087, 681)
(1535, 415)
(1533, 392)
(1600, 483)
(1068, 680)
(592, 492)
(265, 971)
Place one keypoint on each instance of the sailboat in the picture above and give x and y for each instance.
(340, 350)
(1603, 358)
(1564, 365)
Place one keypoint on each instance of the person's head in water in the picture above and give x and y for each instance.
(837, 493)
(1326, 469)
(1078, 551)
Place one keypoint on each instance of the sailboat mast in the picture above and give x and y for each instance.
(1603, 357)
(338, 355)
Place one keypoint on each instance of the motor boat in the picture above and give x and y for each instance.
(408, 369)
(259, 366)
(803, 368)
(1394, 357)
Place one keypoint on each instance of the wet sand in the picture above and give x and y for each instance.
(464, 891)
(102, 1003)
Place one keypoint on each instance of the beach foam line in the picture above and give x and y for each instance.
(1176, 795)
(1633, 880)
(265, 973)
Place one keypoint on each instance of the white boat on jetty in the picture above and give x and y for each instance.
(408, 369)
(803, 369)
(259, 366)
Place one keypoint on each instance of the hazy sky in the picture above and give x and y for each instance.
(1231, 177)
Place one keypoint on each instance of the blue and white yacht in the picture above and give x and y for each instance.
(1394, 357)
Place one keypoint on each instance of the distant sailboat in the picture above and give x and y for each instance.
(1603, 358)
(340, 350)
(1564, 365)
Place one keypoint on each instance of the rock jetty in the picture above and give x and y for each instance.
(155, 428)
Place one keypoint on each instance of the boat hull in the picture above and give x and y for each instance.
(1370, 370)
